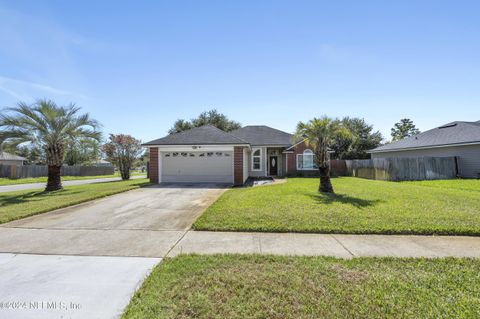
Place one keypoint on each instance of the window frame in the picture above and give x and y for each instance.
(256, 156)
(307, 152)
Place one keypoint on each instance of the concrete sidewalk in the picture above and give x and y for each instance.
(343, 246)
(51, 287)
(20, 187)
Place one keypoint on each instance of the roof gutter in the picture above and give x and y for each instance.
(295, 144)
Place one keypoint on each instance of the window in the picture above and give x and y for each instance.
(183, 154)
(257, 159)
(191, 154)
(167, 154)
(218, 153)
(201, 154)
(209, 154)
(227, 154)
(175, 154)
(306, 161)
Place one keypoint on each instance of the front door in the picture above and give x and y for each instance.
(273, 164)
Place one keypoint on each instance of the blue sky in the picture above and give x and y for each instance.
(137, 66)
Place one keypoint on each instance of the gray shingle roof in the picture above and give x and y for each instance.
(4, 156)
(263, 135)
(202, 135)
(449, 134)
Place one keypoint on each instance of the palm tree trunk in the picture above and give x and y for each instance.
(325, 183)
(55, 154)
(54, 182)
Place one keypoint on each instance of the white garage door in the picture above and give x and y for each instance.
(197, 167)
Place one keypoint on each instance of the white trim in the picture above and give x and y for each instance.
(295, 144)
(422, 147)
(260, 156)
(270, 146)
(267, 165)
(286, 164)
(159, 154)
(309, 153)
(196, 148)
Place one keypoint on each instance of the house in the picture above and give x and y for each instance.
(103, 162)
(459, 139)
(11, 159)
(207, 154)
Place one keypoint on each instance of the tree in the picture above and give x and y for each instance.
(31, 153)
(122, 150)
(361, 140)
(320, 134)
(212, 117)
(404, 128)
(50, 127)
(82, 151)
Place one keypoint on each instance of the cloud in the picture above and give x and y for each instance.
(26, 90)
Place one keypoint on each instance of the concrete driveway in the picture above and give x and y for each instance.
(146, 222)
(55, 265)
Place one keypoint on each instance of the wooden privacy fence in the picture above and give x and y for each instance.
(15, 171)
(403, 169)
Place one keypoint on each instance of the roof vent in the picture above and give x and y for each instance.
(448, 125)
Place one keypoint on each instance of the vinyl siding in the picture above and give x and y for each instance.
(468, 157)
(263, 164)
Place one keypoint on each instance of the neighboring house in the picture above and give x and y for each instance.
(208, 154)
(459, 139)
(11, 159)
(103, 162)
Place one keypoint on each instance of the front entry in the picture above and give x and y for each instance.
(273, 165)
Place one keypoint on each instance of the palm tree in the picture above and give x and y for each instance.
(319, 134)
(49, 126)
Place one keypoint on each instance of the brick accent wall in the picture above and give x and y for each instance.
(238, 165)
(292, 159)
(153, 165)
(337, 167)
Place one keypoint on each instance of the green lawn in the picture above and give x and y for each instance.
(20, 204)
(14, 181)
(460, 184)
(253, 286)
(359, 206)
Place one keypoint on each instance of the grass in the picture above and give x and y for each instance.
(14, 181)
(460, 184)
(359, 206)
(21, 204)
(253, 286)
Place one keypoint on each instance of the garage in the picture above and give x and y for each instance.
(197, 167)
(203, 154)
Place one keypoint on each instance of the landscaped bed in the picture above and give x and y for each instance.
(246, 286)
(21, 204)
(358, 206)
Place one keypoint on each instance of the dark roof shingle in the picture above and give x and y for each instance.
(449, 134)
(207, 134)
(263, 135)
